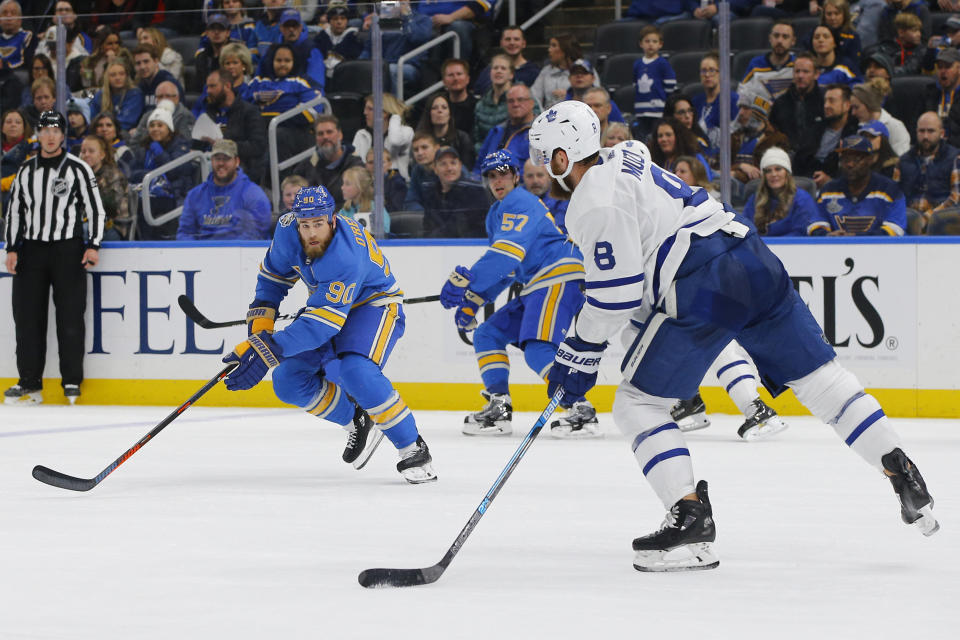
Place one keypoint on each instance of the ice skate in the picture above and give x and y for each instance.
(684, 541)
(916, 503)
(690, 414)
(763, 423)
(495, 419)
(361, 443)
(71, 392)
(414, 463)
(577, 423)
(18, 395)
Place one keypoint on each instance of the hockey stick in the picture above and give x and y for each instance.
(372, 578)
(62, 480)
(191, 311)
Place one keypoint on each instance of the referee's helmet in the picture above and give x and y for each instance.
(52, 119)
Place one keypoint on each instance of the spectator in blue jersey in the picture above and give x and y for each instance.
(536, 180)
(309, 60)
(798, 113)
(458, 16)
(886, 29)
(267, 28)
(859, 202)
(169, 189)
(215, 38)
(752, 134)
(838, 123)
(491, 108)
(119, 95)
(660, 11)
(238, 120)
(598, 99)
(240, 24)
(78, 123)
(330, 159)
(183, 120)
(553, 81)
(835, 15)
(512, 44)
(337, 40)
(146, 60)
(227, 205)
(653, 81)
(528, 249)
(280, 91)
(16, 44)
(79, 44)
(512, 134)
(772, 73)
(706, 104)
(453, 207)
(778, 207)
(833, 69)
(924, 172)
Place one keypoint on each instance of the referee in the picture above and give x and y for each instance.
(49, 243)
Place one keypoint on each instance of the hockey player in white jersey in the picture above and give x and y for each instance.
(685, 276)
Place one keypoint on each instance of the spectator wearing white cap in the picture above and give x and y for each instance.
(778, 207)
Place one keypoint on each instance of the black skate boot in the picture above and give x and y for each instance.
(683, 542)
(18, 395)
(71, 392)
(690, 414)
(762, 423)
(414, 463)
(495, 419)
(579, 421)
(916, 503)
(361, 443)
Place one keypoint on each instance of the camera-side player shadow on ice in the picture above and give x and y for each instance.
(686, 276)
(526, 247)
(331, 356)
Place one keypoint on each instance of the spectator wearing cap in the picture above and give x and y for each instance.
(238, 120)
(859, 202)
(215, 38)
(227, 205)
(866, 105)
(453, 207)
(778, 207)
(950, 38)
(752, 136)
(512, 134)
(878, 135)
(337, 40)
(78, 122)
(940, 97)
(886, 30)
(838, 125)
(308, 60)
(653, 79)
(458, 16)
(183, 119)
(146, 60)
(798, 113)
(330, 159)
(583, 78)
(924, 171)
(875, 63)
(512, 44)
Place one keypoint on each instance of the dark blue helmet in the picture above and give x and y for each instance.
(52, 119)
(314, 202)
(501, 161)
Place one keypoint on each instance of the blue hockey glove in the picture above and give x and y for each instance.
(451, 296)
(466, 315)
(575, 367)
(260, 317)
(256, 355)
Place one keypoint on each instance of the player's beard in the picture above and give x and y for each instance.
(315, 252)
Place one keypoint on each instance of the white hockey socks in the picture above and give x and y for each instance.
(737, 376)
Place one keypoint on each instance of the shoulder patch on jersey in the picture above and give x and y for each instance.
(286, 219)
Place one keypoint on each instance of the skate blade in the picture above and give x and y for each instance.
(766, 430)
(565, 432)
(373, 441)
(694, 423)
(419, 475)
(688, 557)
(927, 524)
(477, 429)
(25, 400)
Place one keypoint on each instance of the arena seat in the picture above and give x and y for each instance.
(618, 70)
(617, 37)
(741, 60)
(355, 76)
(692, 89)
(904, 103)
(803, 26)
(944, 223)
(406, 224)
(686, 65)
(186, 46)
(687, 35)
(750, 33)
(623, 97)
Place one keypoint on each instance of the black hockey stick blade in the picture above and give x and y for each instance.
(54, 478)
(374, 578)
(421, 299)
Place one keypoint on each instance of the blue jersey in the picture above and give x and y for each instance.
(653, 81)
(276, 95)
(526, 246)
(353, 272)
(880, 209)
(842, 72)
(15, 49)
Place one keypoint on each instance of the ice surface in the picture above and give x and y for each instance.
(246, 524)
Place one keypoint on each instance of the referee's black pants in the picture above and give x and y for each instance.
(40, 265)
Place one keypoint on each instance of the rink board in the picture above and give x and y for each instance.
(886, 304)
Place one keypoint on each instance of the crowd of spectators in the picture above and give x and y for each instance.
(817, 146)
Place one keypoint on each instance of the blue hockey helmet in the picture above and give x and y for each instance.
(500, 160)
(314, 202)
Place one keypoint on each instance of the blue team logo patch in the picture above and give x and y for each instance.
(286, 219)
(551, 115)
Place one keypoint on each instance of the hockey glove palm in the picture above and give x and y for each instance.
(255, 355)
(466, 315)
(451, 296)
(575, 367)
(260, 317)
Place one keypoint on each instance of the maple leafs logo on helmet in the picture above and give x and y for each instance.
(551, 115)
(313, 202)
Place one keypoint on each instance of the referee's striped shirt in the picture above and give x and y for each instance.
(49, 200)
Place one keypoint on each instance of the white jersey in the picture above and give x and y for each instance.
(633, 222)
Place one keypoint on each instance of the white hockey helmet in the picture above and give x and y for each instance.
(570, 125)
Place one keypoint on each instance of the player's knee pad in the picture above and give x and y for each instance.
(488, 337)
(539, 355)
(636, 412)
(294, 385)
(827, 391)
(364, 380)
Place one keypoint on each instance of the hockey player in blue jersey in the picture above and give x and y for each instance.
(685, 276)
(353, 315)
(528, 248)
